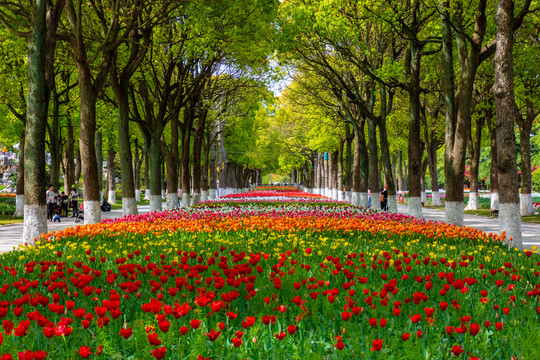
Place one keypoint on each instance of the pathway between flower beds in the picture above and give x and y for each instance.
(269, 275)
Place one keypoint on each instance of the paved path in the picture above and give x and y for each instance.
(11, 235)
(530, 232)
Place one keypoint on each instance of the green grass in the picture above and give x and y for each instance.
(9, 219)
(118, 205)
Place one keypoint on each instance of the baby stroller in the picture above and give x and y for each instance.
(79, 214)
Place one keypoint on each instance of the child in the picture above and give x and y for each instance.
(56, 218)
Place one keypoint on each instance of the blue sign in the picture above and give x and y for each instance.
(325, 156)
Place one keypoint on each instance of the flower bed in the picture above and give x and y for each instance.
(274, 283)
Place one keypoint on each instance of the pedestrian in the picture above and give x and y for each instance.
(50, 196)
(384, 198)
(74, 200)
(64, 203)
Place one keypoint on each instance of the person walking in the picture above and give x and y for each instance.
(384, 198)
(50, 195)
(74, 200)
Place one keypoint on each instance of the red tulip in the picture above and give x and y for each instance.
(159, 353)
(346, 315)
(456, 349)
(415, 318)
(499, 325)
(419, 334)
(126, 333)
(237, 342)
(84, 352)
(376, 345)
(340, 345)
(449, 330)
(373, 322)
(280, 336)
(213, 335)
(382, 322)
(153, 339)
(406, 336)
(291, 329)
(195, 323)
(474, 328)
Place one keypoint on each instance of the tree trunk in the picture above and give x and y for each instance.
(99, 159)
(137, 163)
(212, 195)
(54, 141)
(170, 154)
(155, 171)
(206, 165)
(525, 126)
(189, 117)
(374, 177)
(129, 203)
(360, 167)
(198, 139)
(146, 171)
(503, 90)
(111, 181)
(78, 167)
(385, 152)
(19, 191)
(35, 210)
(474, 161)
(340, 173)
(70, 156)
(493, 176)
(414, 150)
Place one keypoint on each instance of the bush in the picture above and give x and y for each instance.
(7, 209)
(535, 181)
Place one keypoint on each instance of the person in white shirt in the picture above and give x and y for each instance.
(50, 196)
(74, 200)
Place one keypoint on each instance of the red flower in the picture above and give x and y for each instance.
(6, 357)
(213, 335)
(443, 305)
(280, 336)
(382, 322)
(397, 311)
(183, 330)
(406, 336)
(153, 339)
(474, 328)
(419, 334)
(429, 311)
(48, 331)
(291, 329)
(376, 345)
(126, 333)
(195, 323)
(164, 326)
(499, 325)
(237, 342)
(340, 345)
(346, 315)
(373, 322)
(449, 330)
(159, 353)
(308, 251)
(456, 349)
(416, 318)
(84, 352)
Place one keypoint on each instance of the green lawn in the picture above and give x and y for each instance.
(486, 212)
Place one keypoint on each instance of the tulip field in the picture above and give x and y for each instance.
(269, 274)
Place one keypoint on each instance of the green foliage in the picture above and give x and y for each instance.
(7, 209)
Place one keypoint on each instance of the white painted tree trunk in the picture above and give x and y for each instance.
(473, 201)
(335, 194)
(436, 198)
(415, 207)
(19, 206)
(163, 196)
(35, 223)
(364, 199)
(355, 198)
(204, 195)
(326, 192)
(172, 201)
(494, 201)
(525, 205)
(392, 203)
(112, 197)
(146, 194)
(138, 195)
(510, 223)
(129, 206)
(453, 213)
(186, 200)
(92, 212)
(348, 195)
(196, 199)
(423, 198)
(155, 203)
(340, 196)
(101, 197)
(375, 201)
(213, 194)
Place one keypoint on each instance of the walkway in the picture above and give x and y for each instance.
(530, 232)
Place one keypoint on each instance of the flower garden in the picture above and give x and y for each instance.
(269, 274)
